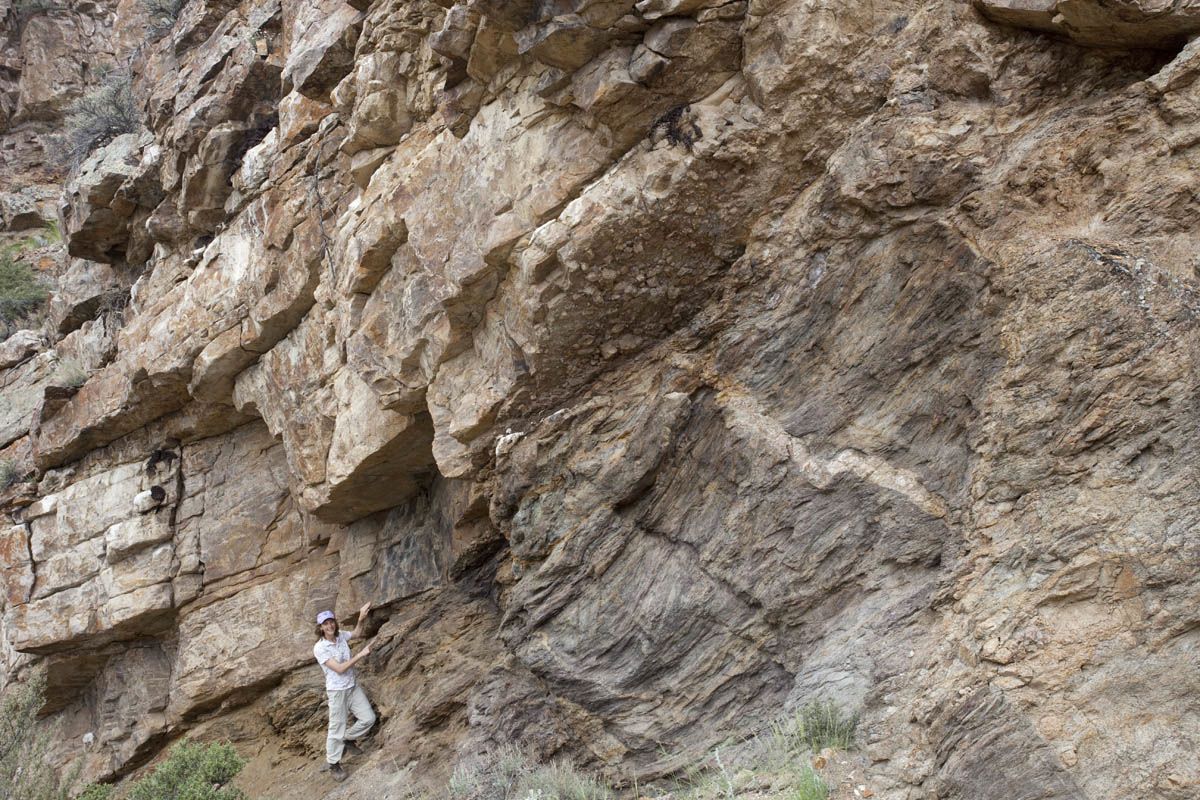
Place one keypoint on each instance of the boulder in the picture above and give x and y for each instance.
(86, 289)
(1158, 24)
(28, 208)
(322, 48)
(104, 196)
(20, 346)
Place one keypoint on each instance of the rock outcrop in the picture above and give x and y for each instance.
(1103, 23)
(654, 368)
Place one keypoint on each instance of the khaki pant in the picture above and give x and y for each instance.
(342, 703)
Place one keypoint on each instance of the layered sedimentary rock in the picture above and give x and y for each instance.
(653, 367)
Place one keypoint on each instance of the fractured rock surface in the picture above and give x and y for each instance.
(654, 368)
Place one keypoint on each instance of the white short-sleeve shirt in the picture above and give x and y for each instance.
(339, 651)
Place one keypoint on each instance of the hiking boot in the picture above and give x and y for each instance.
(337, 773)
(352, 748)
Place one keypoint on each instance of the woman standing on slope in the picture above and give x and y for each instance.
(346, 697)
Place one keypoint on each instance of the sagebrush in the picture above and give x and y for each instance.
(509, 774)
(161, 15)
(98, 117)
(9, 474)
(70, 373)
(193, 771)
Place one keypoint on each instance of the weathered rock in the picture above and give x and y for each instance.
(566, 42)
(223, 642)
(323, 36)
(1124, 23)
(85, 290)
(51, 43)
(380, 116)
(32, 207)
(105, 195)
(17, 565)
(22, 388)
(20, 347)
(654, 368)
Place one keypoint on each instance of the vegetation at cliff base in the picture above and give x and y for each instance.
(782, 762)
(191, 771)
(24, 746)
(509, 774)
(816, 726)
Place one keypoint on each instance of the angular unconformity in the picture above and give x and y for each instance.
(746, 560)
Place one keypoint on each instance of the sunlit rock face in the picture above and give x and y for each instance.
(654, 368)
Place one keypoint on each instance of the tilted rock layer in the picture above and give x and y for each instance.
(653, 368)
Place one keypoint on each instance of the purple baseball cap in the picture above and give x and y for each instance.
(324, 615)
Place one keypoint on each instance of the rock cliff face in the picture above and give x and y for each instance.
(652, 367)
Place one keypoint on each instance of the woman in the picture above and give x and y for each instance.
(346, 697)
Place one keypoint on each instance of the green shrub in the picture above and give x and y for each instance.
(192, 772)
(20, 290)
(24, 746)
(823, 724)
(813, 728)
(808, 785)
(99, 116)
(96, 791)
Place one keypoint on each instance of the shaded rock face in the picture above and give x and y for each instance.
(653, 368)
(1103, 23)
